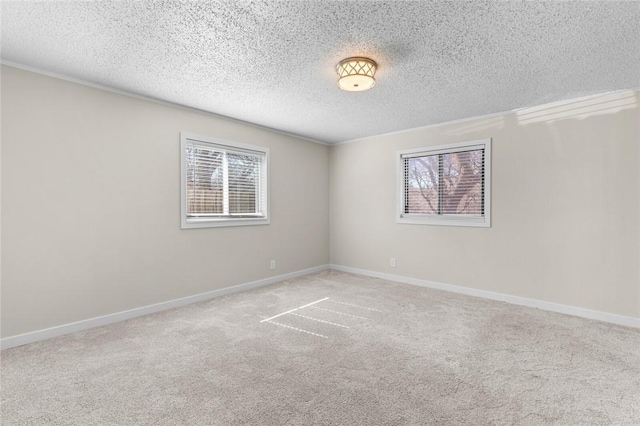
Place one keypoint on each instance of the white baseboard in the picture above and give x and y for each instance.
(23, 339)
(516, 300)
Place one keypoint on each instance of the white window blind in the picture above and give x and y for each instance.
(445, 185)
(223, 184)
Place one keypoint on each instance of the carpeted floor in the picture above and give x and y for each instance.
(373, 353)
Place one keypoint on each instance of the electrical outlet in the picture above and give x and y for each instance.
(393, 262)
(272, 264)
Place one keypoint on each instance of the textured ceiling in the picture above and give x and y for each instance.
(272, 62)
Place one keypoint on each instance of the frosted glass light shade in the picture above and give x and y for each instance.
(356, 74)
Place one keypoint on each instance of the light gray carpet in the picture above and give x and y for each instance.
(415, 356)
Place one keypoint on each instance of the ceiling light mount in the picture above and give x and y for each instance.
(356, 74)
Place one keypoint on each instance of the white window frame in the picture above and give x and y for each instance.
(207, 222)
(447, 220)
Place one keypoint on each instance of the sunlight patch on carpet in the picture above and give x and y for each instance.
(332, 312)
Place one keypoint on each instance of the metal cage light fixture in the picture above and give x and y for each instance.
(356, 74)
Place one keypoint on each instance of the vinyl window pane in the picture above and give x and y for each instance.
(445, 184)
(422, 183)
(204, 181)
(462, 183)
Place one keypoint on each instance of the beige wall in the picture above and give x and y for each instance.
(565, 207)
(91, 219)
(90, 205)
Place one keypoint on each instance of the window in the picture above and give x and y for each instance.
(223, 183)
(445, 185)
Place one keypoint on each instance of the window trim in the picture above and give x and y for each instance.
(211, 221)
(449, 220)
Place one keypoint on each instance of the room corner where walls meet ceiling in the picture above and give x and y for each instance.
(273, 63)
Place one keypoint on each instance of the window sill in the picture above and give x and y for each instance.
(444, 221)
(223, 222)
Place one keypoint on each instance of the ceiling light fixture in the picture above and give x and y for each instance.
(356, 74)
